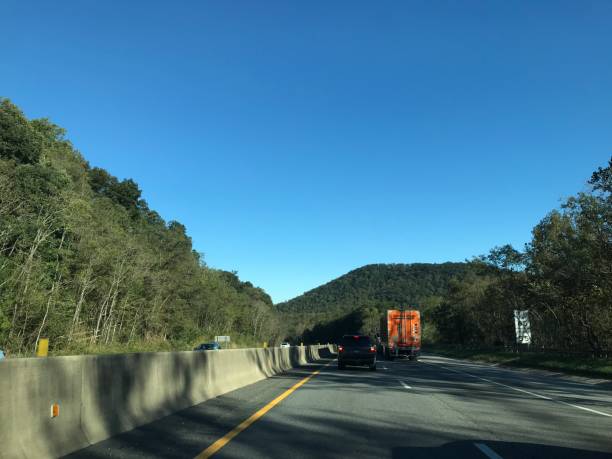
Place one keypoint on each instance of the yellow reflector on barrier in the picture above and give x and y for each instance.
(43, 348)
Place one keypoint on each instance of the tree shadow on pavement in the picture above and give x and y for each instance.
(185, 433)
(318, 429)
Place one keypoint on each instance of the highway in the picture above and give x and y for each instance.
(433, 408)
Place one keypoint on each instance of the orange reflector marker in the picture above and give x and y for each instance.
(54, 410)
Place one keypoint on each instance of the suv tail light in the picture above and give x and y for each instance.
(372, 348)
(340, 348)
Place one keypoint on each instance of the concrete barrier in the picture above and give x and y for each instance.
(102, 395)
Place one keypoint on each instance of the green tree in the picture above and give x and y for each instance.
(18, 139)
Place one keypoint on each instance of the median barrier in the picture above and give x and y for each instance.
(102, 395)
(28, 388)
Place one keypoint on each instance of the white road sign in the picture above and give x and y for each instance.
(522, 326)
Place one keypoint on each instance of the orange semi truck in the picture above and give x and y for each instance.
(400, 334)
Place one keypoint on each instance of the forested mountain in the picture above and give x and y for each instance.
(385, 286)
(355, 301)
(85, 262)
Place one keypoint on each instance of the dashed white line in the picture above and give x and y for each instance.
(527, 392)
(406, 386)
(487, 451)
(585, 409)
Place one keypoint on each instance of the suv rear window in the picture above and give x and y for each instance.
(356, 340)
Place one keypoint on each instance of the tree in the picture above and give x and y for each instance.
(18, 139)
(601, 180)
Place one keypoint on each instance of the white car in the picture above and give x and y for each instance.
(285, 344)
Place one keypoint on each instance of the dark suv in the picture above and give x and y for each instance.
(356, 350)
(214, 346)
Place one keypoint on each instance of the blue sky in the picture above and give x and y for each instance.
(300, 140)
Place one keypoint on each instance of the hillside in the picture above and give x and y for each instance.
(353, 302)
(85, 262)
(380, 285)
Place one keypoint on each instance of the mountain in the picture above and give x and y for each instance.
(378, 285)
(353, 302)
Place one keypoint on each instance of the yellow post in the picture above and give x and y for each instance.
(265, 344)
(43, 348)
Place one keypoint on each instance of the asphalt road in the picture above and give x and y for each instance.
(433, 408)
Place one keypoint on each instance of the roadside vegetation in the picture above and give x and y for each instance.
(85, 262)
(563, 277)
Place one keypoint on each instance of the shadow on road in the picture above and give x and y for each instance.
(329, 431)
(185, 433)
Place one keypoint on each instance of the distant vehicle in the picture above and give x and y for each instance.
(285, 344)
(356, 350)
(208, 347)
(400, 334)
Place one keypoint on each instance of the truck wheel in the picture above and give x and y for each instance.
(373, 367)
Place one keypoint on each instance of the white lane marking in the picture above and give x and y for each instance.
(498, 383)
(385, 368)
(406, 386)
(487, 451)
(528, 392)
(585, 409)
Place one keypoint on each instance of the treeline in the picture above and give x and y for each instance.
(563, 278)
(86, 263)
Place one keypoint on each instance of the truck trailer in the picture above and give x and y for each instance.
(400, 334)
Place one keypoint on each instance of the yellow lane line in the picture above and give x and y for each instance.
(221, 442)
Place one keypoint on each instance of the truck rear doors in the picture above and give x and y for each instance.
(404, 332)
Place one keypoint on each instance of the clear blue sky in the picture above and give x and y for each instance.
(300, 140)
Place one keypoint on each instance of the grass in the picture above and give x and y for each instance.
(581, 366)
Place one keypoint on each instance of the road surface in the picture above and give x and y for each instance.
(433, 408)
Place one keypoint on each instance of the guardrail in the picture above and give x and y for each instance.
(53, 406)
